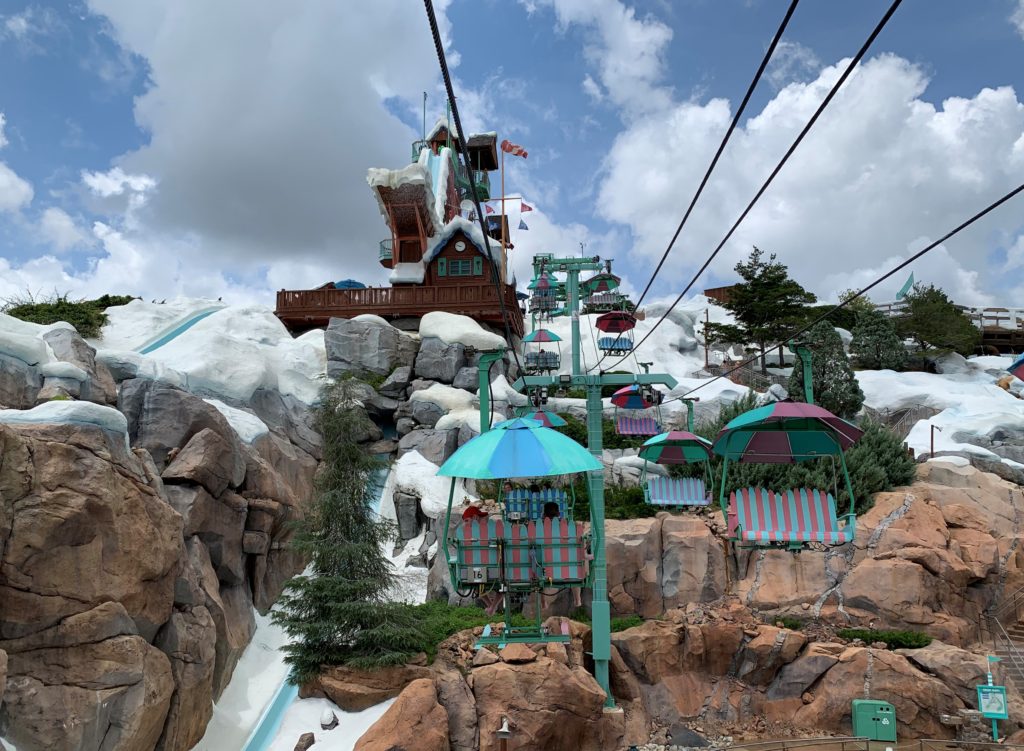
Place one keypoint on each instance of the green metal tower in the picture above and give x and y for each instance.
(600, 608)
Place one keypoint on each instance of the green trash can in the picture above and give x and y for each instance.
(874, 720)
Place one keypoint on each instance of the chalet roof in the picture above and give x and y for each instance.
(472, 232)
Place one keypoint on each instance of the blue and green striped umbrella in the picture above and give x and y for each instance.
(545, 418)
(676, 447)
(519, 448)
(542, 335)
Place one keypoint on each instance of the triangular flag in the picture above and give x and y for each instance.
(906, 287)
(489, 209)
(524, 207)
(522, 225)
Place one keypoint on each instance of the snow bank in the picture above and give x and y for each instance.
(304, 717)
(455, 329)
(23, 341)
(408, 273)
(447, 398)
(502, 391)
(139, 323)
(59, 369)
(141, 366)
(247, 425)
(418, 476)
(369, 318)
(69, 413)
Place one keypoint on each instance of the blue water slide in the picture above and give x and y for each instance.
(176, 330)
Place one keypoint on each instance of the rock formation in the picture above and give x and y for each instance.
(131, 560)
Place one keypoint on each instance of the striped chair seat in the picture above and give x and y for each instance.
(677, 491)
(549, 495)
(560, 551)
(614, 344)
(476, 550)
(542, 360)
(520, 556)
(518, 503)
(801, 515)
(603, 299)
(637, 426)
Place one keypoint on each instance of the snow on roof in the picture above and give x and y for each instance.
(371, 318)
(413, 273)
(247, 425)
(442, 123)
(414, 174)
(471, 230)
(69, 413)
(417, 476)
(451, 328)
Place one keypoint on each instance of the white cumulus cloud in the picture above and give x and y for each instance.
(59, 230)
(1017, 18)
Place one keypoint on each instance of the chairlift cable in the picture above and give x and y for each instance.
(960, 227)
(721, 147)
(460, 134)
(778, 168)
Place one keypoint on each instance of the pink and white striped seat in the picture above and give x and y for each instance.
(800, 515)
(561, 551)
(476, 551)
(520, 559)
(637, 426)
(676, 492)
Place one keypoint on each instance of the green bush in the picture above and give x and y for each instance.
(626, 621)
(894, 639)
(437, 620)
(793, 624)
(87, 316)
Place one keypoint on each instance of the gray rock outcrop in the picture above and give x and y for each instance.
(437, 361)
(434, 445)
(366, 347)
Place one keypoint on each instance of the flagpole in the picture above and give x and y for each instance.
(504, 259)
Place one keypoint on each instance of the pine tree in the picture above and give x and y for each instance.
(766, 305)
(341, 612)
(876, 344)
(935, 324)
(835, 386)
(857, 305)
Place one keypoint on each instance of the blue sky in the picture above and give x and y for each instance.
(169, 148)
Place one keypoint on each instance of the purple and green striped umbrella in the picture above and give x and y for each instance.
(603, 282)
(785, 433)
(676, 447)
(519, 448)
(631, 397)
(545, 418)
(542, 335)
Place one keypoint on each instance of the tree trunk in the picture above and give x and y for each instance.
(782, 356)
(764, 359)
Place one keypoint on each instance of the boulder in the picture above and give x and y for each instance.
(548, 705)
(189, 639)
(162, 417)
(68, 346)
(112, 694)
(102, 521)
(209, 460)
(456, 697)
(633, 549)
(799, 675)
(426, 413)
(468, 378)
(19, 382)
(767, 652)
(438, 361)
(291, 418)
(305, 741)
(222, 533)
(396, 384)
(404, 426)
(366, 346)
(434, 445)
(407, 511)
(415, 721)
(693, 562)
(517, 653)
(193, 503)
(355, 690)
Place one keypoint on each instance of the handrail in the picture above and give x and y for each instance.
(1011, 648)
(1015, 599)
(846, 743)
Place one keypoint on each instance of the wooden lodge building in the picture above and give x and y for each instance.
(438, 259)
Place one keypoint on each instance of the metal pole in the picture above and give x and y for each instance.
(424, 116)
(707, 345)
(933, 429)
(501, 219)
(574, 308)
(600, 610)
(483, 370)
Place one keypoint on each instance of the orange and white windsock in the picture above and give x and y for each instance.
(513, 149)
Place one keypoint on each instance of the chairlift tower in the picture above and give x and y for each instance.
(592, 384)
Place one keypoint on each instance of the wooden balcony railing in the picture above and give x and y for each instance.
(311, 308)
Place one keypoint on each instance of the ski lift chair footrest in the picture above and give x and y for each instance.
(799, 515)
(677, 491)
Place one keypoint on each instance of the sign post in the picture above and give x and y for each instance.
(992, 700)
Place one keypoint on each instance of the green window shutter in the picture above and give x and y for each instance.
(478, 266)
(442, 266)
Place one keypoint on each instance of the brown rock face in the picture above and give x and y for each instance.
(356, 690)
(918, 698)
(633, 550)
(549, 706)
(189, 640)
(3, 674)
(415, 722)
(101, 521)
(209, 460)
(114, 694)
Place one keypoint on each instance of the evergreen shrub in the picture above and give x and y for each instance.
(894, 639)
(87, 316)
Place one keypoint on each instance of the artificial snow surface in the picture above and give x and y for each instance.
(68, 413)
(451, 328)
(59, 369)
(417, 476)
(303, 716)
(138, 324)
(246, 425)
(371, 318)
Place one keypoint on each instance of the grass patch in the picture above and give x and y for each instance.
(620, 623)
(87, 316)
(893, 639)
(438, 620)
(793, 624)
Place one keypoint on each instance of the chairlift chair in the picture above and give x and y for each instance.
(637, 410)
(541, 360)
(621, 324)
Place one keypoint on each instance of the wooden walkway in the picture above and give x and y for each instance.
(302, 310)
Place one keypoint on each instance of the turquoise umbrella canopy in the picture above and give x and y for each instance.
(542, 335)
(545, 418)
(676, 447)
(519, 448)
